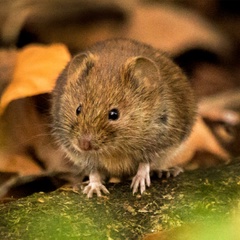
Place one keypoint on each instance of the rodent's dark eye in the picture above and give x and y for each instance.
(78, 110)
(113, 114)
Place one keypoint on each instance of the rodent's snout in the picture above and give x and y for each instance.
(85, 143)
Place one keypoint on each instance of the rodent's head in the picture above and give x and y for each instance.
(107, 110)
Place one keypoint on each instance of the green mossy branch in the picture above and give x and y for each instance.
(200, 196)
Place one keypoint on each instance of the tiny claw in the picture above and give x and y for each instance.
(95, 187)
(141, 179)
(160, 174)
(138, 182)
(174, 171)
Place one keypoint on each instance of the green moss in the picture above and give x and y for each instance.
(203, 196)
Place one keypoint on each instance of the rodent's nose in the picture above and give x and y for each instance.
(85, 144)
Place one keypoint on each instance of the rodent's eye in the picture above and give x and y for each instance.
(78, 110)
(113, 114)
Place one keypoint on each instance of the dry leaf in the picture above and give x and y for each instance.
(36, 71)
(196, 142)
(22, 164)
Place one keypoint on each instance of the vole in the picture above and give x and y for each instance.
(122, 108)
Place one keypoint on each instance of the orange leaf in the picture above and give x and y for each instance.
(36, 71)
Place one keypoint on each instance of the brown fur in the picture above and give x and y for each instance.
(157, 108)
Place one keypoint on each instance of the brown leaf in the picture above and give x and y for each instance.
(36, 71)
(22, 164)
(195, 143)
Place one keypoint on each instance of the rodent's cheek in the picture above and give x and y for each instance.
(74, 144)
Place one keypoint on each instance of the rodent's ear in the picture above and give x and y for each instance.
(78, 64)
(142, 70)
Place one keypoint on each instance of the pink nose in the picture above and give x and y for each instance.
(85, 144)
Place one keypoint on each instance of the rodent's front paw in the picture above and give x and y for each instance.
(142, 178)
(95, 187)
(174, 171)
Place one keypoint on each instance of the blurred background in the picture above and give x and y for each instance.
(193, 31)
(76, 22)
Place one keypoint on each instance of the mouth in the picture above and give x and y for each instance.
(86, 148)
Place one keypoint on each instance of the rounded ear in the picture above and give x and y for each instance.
(79, 63)
(143, 71)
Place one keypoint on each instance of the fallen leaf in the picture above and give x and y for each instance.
(22, 164)
(197, 142)
(36, 71)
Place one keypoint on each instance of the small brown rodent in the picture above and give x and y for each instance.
(122, 108)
